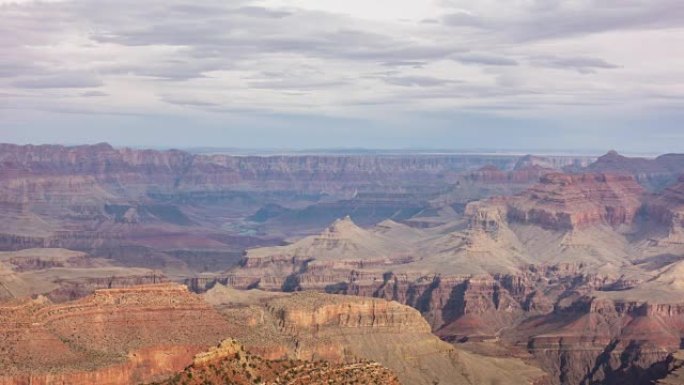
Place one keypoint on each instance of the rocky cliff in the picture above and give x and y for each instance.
(607, 341)
(565, 201)
(152, 332)
(580, 273)
(125, 202)
(231, 362)
(520, 174)
(115, 336)
(676, 375)
(667, 208)
(514, 268)
(177, 170)
(63, 275)
(655, 173)
(341, 329)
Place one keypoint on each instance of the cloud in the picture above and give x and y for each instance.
(417, 81)
(188, 102)
(349, 61)
(404, 63)
(62, 80)
(253, 11)
(485, 59)
(91, 94)
(584, 65)
(538, 20)
(462, 19)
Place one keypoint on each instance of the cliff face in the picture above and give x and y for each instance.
(655, 173)
(341, 329)
(607, 341)
(564, 201)
(676, 375)
(667, 208)
(519, 175)
(63, 275)
(184, 171)
(148, 333)
(514, 269)
(305, 312)
(115, 336)
(124, 203)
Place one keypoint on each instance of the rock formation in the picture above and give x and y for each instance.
(513, 269)
(62, 274)
(654, 173)
(667, 208)
(343, 329)
(578, 273)
(156, 332)
(230, 363)
(676, 375)
(114, 336)
(563, 201)
(169, 209)
(519, 175)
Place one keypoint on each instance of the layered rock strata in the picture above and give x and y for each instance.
(115, 336)
(344, 329)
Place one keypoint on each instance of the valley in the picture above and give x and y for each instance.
(414, 269)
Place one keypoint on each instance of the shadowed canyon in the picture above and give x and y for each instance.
(126, 266)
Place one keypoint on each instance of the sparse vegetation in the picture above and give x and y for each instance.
(248, 369)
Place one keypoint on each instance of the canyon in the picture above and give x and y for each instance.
(126, 266)
(162, 332)
(580, 270)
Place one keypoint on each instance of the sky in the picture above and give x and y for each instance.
(447, 74)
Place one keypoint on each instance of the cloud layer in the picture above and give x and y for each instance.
(438, 68)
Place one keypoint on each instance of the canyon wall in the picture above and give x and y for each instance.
(513, 269)
(114, 336)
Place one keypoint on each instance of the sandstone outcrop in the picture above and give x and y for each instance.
(114, 336)
(564, 201)
(148, 333)
(344, 329)
(607, 341)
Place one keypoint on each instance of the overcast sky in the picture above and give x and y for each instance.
(513, 74)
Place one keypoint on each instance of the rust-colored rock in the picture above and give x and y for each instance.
(231, 362)
(115, 336)
(347, 329)
(567, 201)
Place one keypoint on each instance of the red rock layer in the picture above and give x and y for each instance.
(567, 201)
(115, 336)
(492, 174)
(667, 208)
(607, 342)
(183, 170)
